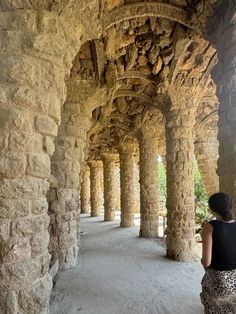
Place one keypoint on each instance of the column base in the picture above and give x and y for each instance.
(149, 227)
(183, 251)
(95, 214)
(127, 220)
(110, 216)
(148, 233)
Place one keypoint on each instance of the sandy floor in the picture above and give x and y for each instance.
(119, 273)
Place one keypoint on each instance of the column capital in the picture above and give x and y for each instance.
(95, 163)
(108, 155)
(128, 147)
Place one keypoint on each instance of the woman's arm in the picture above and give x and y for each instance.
(206, 235)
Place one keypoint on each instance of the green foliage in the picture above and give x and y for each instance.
(201, 198)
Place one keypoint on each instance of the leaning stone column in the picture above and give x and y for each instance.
(85, 192)
(95, 187)
(127, 183)
(180, 183)
(149, 190)
(109, 166)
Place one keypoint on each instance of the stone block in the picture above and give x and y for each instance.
(13, 208)
(71, 205)
(4, 230)
(67, 240)
(72, 180)
(12, 165)
(45, 125)
(48, 145)
(21, 70)
(29, 226)
(39, 206)
(26, 142)
(39, 243)
(35, 299)
(15, 276)
(27, 187)
(15, 250)
(51, 194)
(38, 165)
(8, 302)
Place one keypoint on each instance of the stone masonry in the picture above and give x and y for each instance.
(80, 78)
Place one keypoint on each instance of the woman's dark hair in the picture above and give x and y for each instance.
(222, 204)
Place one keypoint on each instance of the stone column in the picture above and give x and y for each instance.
(32, 91)
(109, 166)
(95, 187)
(64, 195)
(180, 183)
(85, 192)
(149, 189)
(127, 183)
(117, 182)
(207, 156)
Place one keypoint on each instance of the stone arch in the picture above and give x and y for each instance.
(142, 9)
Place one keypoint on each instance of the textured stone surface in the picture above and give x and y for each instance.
(109, 165)
(127, 183)
(95, 187)
(78, 77)
(149, 190)
(85, 192)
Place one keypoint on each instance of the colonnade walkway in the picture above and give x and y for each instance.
(119, 273)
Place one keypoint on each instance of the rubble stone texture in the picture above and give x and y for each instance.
(85, 192)
(149, 188)
(78, 77)
(180, 185)
(127, 183)
(95, 186)
(109, 165)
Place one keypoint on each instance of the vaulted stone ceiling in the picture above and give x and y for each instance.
(144, 50)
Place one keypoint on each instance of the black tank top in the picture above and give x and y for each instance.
(223, 246)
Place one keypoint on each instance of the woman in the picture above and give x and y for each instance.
(219, 258)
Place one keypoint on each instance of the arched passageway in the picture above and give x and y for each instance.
(82, 80)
